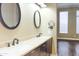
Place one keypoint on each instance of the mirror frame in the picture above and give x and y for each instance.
(3, 22)
(39, 19)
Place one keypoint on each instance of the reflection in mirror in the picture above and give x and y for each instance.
(10, 14)
(37, 19)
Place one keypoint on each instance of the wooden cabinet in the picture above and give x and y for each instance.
(35, 52)
(43, 50)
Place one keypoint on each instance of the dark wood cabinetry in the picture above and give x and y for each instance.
(43, 50)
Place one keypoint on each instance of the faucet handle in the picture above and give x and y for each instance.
(40, 33)
(8, 44)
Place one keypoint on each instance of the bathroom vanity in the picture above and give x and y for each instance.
(44, 49)
(37, 46)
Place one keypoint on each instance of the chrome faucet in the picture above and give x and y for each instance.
(15, 41)
(39, 35)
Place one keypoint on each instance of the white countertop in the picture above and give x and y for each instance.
(24, 47)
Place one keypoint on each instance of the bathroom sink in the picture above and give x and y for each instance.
(23, 47)
(2, 54)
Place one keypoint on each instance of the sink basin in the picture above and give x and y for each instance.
(2, 54)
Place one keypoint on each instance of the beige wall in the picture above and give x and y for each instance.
(50, 13)
(26, 28)
(54, 18)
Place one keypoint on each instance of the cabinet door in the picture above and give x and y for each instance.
(46, 48)
(49, 46)
(43, 49)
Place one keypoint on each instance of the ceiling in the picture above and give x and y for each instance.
(67, 5)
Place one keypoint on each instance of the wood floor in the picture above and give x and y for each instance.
(68, 48)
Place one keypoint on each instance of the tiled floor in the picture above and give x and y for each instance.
(68, 48)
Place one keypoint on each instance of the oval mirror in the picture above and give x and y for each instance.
(37, 19)
(10, 15)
